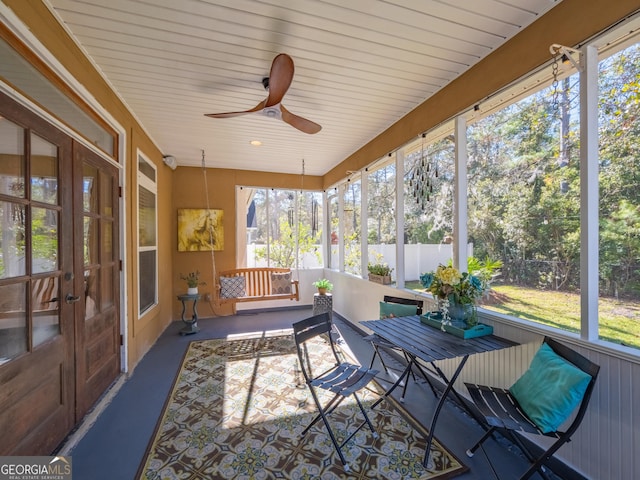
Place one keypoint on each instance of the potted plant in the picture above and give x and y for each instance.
(323, 285)
(193, 280)
(380, 273)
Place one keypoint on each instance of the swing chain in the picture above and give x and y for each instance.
(554, 70)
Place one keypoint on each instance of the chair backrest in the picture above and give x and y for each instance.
(583, 364)
(308, 329)
(406, 301)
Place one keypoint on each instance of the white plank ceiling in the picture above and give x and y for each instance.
(360, 65)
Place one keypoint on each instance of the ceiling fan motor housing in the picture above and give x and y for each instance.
(277, 84)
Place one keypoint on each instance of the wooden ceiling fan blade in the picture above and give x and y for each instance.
(257, 108)
(302, 124)
(280, 78)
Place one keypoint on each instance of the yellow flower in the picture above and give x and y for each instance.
(449, 275)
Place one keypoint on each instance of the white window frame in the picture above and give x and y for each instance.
(151, 185)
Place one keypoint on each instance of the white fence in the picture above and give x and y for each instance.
(419, 258)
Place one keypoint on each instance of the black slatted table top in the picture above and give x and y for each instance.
(430, 344)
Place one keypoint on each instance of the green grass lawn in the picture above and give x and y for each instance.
(619, 320)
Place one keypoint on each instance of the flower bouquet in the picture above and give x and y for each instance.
(456, 293)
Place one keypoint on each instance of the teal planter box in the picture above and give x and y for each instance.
(479, 330)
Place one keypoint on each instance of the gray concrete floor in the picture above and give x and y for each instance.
(112, 442)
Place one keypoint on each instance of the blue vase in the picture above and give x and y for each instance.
(463, 315)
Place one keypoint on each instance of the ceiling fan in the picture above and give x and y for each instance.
(277, 84)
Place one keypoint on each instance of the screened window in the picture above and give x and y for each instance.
(352, 228)
(334, 221)
(283, 228)
(381, 216)
(524, 204)
(428, 206)
(524, 200)
(619, 177)
(147, 236)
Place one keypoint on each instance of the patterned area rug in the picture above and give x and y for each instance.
(237, 409)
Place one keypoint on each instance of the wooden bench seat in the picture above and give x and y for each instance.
(256, 284)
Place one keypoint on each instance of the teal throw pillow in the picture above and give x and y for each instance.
(550, 389)
(389, 310)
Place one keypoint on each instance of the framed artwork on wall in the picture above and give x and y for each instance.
(200, 229)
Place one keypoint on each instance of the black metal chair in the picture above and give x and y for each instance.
(503, 412)
(378, 343)
(342, 379)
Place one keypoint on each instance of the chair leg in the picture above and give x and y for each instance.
(330, 407)
(537, 464)
(325, 420)
(366, 417)
(487, 434)
(335, 441)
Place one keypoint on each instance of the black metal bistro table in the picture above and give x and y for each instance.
(427, 344)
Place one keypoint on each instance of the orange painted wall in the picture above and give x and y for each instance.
(189, 192)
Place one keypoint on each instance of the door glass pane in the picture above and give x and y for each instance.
(91, 306)
(90, 241)
(13, 321)
(106, 194)
(45, 301)
(107, 287)
(12, 240)
(89, 185)
(11, 159)
(107, 240)
(44, 240)
(44, 171)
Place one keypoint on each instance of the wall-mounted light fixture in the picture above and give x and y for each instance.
(170, 161)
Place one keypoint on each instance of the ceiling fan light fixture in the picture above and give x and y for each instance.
(272, 112)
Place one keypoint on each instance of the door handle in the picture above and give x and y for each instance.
(71, 299)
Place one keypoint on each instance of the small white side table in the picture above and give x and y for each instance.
(322, 304)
